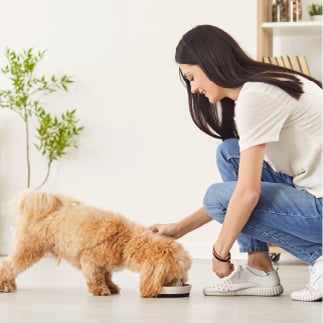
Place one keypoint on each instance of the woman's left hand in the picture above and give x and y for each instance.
(222, 269)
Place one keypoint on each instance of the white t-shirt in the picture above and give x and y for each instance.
(290, 128)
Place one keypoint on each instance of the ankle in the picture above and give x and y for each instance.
(260, 261)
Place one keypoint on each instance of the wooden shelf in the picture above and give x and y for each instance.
(293, 28)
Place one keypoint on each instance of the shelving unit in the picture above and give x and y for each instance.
(267, 29)
(293, 28)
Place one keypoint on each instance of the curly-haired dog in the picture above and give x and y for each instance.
(97, 242)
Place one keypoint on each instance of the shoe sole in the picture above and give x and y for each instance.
(308, 298)
(271, 291)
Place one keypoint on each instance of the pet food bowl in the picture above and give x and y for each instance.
(175, 291)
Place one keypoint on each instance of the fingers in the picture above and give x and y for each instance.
(222, 269)
(168, 230)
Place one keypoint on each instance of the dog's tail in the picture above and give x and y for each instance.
(35, 203)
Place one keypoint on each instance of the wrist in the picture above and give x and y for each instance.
(178, 230)
(221, 257)
(182, 228)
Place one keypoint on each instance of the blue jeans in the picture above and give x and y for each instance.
(284, 216)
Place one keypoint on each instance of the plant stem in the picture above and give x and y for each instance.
(27, 147)
(47, 174)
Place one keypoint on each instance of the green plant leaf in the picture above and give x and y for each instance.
(55, 135)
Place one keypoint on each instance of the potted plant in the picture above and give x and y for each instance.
(315, 11)
(53, 135)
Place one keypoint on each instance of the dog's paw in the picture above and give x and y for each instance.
(8, 286)
(13, 285)
(99, 291)
(114, 289)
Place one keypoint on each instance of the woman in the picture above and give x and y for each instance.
(270, 121)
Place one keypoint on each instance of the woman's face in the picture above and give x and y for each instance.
(200, 83)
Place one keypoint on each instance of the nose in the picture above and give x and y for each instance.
(194, 89)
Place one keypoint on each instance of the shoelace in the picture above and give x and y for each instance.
(310, 288)
(312, 269)
(312, 273)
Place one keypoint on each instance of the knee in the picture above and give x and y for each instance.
(227, 149)
(216, 200)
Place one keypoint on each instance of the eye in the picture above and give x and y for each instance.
(189, 77)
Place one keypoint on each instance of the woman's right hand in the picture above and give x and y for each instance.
(169, 230)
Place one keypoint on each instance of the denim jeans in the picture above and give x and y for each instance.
(285, 216)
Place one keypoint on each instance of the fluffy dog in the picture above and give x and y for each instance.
(97, 242)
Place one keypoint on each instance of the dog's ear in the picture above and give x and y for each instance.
(152, 278)
(184, 260)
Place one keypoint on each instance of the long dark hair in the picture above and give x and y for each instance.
(227, 65)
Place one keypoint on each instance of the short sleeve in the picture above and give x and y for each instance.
(260, 116)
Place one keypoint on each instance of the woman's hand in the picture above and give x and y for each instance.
(180, 228)
(169, 230)
(222, 269)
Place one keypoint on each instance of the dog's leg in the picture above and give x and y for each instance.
(114, 289)
(95, 276)
(7, 281)
(25, 254)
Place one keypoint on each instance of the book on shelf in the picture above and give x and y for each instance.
(296, 63)
(302, 61)
(280, 61)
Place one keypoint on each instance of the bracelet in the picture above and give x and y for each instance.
(217, 257)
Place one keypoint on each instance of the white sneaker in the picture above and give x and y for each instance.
(246, 281)
(313, 290)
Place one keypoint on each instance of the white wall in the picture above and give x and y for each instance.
(140, 153)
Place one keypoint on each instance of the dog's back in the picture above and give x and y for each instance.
(65, 227)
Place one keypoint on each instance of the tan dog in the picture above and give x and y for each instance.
(95, 241)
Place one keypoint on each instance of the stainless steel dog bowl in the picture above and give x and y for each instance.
(175, 291)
